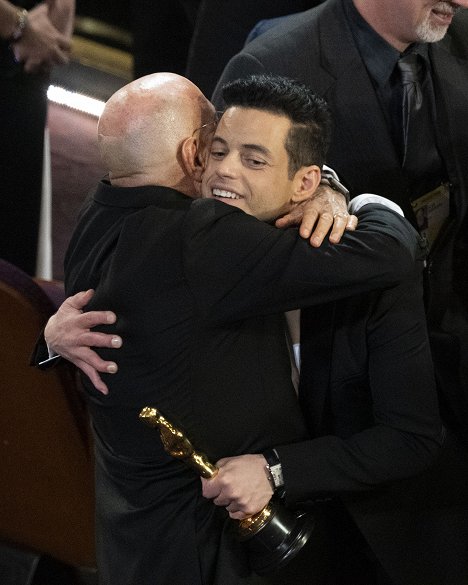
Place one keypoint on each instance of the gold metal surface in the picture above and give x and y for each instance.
(254, 523)
(179, 446)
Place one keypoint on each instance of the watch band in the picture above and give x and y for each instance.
(275, 471)
(329, 178)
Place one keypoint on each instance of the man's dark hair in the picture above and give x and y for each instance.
(309, 137)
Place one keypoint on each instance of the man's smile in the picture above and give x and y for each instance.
(444, 11)
(225, 194)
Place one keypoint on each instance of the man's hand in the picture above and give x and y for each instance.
(62, 15)
(69, 334)
(241, 485)
(41, 45)
(326, 210)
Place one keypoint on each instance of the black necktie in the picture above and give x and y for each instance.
(419, 155)
(410, 69)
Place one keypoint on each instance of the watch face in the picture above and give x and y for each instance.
(277, 474)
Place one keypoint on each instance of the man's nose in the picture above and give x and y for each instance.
(462, 3)
(228, 167)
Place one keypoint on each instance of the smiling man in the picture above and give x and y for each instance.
(199, 288)
(350, 52)
(365, 400)
(264, 161)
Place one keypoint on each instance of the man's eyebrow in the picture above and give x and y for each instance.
(255, 147)
(258, 148)
(219, 139)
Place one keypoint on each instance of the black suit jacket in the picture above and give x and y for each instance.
(363, 392)
(198, 287)
(316, 47)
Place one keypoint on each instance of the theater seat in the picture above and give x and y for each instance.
(46, 487)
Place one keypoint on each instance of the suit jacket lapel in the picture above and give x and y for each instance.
(357, 140)
(450, 77)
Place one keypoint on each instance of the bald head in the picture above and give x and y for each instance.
(142, 129)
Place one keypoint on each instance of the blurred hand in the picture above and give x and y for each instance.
(41, 46)
(69, 334)
(62, 15)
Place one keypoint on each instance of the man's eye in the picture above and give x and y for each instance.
(217, 154)
(255, 162)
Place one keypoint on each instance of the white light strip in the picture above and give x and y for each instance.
(85, 104)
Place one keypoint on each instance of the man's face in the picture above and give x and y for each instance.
(248, 163)
(434, 18)
(402, 22)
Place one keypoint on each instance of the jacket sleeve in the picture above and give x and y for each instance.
(238, 267)
(383, 421)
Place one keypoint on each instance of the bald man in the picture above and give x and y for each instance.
(199, 288)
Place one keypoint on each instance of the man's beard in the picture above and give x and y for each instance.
(428, 32)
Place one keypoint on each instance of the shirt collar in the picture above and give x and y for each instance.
(138, 197)
(379, 57)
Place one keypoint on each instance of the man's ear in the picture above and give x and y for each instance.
(305, 182)
(193, 159)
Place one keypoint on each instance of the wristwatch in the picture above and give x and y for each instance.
(275, 471)
(329, 178)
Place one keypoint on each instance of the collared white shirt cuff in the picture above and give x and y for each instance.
(52, 353)
(360, 200)
(297, 355)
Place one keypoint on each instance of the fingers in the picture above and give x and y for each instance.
(293, 218)
(80, 356)
(241, 485)
(352, 223)
(308, 222)
(340, 221)
(69, 334)
(33, 65)
(93, 318)
(64, 45)
(80, 299)
(97, 363)
(94, 377)
(238, 515)
(210, 488)
(90, 319)
(237, 508)
(61, 56)
(222, 501)
(98, 339)
(325, 221)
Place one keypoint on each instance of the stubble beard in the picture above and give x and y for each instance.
(429, 32)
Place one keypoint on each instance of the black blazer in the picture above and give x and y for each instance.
(363, 391)
(316, 47)
(198, 288)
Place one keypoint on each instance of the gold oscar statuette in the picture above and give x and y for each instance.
(273, 536)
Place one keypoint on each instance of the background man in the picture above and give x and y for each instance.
(199, 288)
(348, 51)
(31, 43)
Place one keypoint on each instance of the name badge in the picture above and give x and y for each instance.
(431, 211)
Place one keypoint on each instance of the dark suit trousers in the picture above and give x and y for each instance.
(23, 110)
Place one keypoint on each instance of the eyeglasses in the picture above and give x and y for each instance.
(213, 123)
